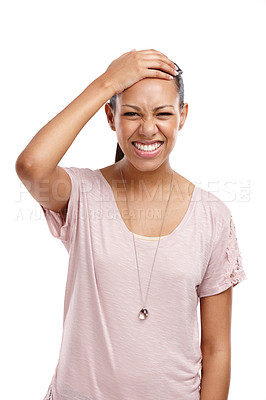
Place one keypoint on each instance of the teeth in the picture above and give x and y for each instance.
(150, 147)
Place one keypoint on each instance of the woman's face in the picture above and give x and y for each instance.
(145, 112)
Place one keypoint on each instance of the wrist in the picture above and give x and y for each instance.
(107, 85)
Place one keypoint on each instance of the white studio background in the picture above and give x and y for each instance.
(50, 52)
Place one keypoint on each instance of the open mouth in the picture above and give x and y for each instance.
(147, 151)
(147, 148)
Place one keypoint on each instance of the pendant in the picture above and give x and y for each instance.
(143, 313)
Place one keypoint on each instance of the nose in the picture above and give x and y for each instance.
(148, 126)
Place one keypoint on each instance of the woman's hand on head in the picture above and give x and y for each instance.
(134, 66)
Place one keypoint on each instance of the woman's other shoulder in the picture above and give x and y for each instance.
(212, 204)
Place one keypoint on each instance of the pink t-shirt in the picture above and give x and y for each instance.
(107, 352)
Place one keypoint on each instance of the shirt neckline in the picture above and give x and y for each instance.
(149, 237)
(151, 243)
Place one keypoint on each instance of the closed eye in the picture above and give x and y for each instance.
(130, 113)
(133, 113)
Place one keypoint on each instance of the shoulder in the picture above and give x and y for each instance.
(208, 206)
(212, 205)
(83, 179)
(80, 173)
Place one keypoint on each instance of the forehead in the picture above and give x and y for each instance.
(150, 92)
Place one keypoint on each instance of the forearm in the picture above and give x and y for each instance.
(216, 372)
(49, 145)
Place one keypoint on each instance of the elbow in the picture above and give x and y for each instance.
(26, 169)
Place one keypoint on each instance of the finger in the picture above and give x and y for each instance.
(162, 65)
(152, 51)
(154, 55)
(154, 73)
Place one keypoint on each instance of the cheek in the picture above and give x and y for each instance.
(126, 127)
(174, 138)
(169, 127)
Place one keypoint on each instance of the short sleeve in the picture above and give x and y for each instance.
(60, 225)
(225, 267)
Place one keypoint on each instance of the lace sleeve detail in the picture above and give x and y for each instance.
(234, 271)
(224, 267)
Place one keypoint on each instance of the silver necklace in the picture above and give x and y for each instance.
(144, 312)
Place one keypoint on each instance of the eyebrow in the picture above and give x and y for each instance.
(155, 109)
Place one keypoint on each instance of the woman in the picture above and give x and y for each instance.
(145, 246)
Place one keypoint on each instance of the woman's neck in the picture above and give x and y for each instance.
(147, 177)
(146, 185)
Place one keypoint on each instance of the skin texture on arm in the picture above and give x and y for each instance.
(216, 314)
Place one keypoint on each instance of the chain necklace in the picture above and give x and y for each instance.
(144, 312)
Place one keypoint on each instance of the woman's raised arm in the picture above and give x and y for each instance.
(38, 162)
(48, 146)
